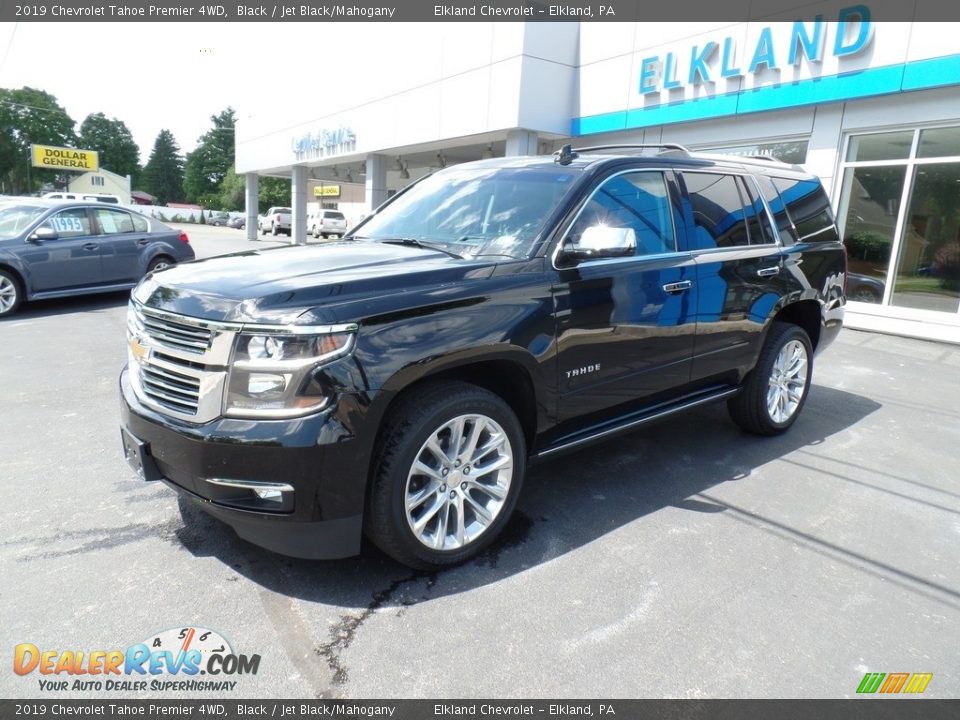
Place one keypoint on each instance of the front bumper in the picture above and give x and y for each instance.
(310, 479)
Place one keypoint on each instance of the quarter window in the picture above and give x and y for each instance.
(637, 201)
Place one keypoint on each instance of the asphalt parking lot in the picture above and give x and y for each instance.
(685, 560)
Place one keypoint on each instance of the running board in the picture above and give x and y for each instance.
(632, 421)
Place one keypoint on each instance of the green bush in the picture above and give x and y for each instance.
(868, 245)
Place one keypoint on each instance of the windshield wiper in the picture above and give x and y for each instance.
(413, 242)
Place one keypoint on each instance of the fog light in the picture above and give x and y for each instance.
(263, 383)
(273, 495)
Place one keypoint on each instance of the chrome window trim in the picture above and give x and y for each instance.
(588, 263)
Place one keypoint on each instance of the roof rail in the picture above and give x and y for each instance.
(768, 158)
(665, 146)
(567, 154)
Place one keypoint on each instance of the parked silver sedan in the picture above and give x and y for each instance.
(52, 248)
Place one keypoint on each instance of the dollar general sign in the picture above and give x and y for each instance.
(61, 158)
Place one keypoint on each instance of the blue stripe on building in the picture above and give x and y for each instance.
(917, 75)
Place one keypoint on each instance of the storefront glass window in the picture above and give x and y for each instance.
(869, 226)
(882, 146)
(941, 142)
(928, 265)
(900, 218)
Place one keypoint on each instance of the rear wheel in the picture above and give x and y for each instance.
(273, 229)
(775, 391)
(447, 476)
(10, 293)
(159, 263)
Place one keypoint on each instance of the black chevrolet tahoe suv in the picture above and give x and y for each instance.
(399, 382)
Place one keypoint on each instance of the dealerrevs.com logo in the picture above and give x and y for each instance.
(181, 653)
(893, 683)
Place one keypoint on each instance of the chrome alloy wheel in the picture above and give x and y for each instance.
(459, 481)
(8, 294)
(788, 380)
(160, 265)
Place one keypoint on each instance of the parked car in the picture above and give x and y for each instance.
(53, 248)
(492, 314)
(326, 223)
(239, 222)
(88, 197)
(218, 219)
(863, 288)
(276, 220)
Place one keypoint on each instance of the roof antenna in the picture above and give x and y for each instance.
(565, 155)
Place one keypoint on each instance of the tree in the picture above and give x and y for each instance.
(114, 141)
(273, 191)
(208, 164)
(233, 191)
(30, 116)
(163, 173)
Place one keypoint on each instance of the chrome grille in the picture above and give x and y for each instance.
(170, 389)
(168, 333)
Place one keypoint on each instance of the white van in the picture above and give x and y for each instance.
(90, 197)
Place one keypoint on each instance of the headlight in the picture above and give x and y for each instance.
(271, 375)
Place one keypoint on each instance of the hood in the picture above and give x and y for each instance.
(305, 284)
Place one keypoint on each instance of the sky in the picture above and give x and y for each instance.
(174, 76)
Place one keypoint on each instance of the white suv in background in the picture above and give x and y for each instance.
(326, 223)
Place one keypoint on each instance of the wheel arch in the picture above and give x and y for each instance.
(504, 374)
(806, 314)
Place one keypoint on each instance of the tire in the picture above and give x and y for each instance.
(446, 515)
(159, 263)
(11, 293)
(273, 229)
(775, 391)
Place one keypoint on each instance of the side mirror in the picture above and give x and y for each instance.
(42, 234)
(601, 241)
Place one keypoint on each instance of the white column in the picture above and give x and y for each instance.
(252, 203)
(521, 142)
(298, 203)
(376, 183)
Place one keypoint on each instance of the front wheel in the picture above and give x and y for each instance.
(447, 475)
(775, 391)
(10, 295)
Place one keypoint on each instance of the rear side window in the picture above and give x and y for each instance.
(807, 205)
(140, 223)
(719, 220)
(114, 222)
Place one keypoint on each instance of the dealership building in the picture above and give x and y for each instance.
(872, 108)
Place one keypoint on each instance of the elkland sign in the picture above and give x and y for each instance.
(720, 60)
(61, 158)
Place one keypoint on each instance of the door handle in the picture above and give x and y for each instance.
(676, 287)
(91, 246)
(768, 271)
(142, 242)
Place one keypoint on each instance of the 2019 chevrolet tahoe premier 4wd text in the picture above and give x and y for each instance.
(397, 382)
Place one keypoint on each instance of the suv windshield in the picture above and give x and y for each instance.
(15, 218)
(475, 211)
